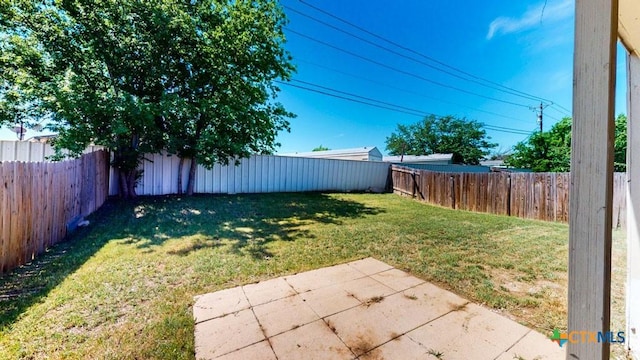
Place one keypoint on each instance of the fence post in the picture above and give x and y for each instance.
(509, 195)
(453, 191)
(413, 189)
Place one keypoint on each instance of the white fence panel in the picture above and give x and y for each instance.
(29, 151)
(261, 174)
(257, 174)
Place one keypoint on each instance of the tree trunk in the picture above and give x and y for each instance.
(180, 166)
(127, 184)
(122, 185)
(192, 176)
(194, 159)
(126, 159)
(131, 183)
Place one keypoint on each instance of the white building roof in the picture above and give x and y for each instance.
(340, 152)
(418, 158)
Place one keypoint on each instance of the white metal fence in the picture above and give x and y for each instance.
(27, 151)
(262, 174)
(257, 174)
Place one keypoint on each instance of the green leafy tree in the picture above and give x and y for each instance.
(545, 151)
(620, 144)
(550, 151)
(220, 115)
(465, 139)
(321, 148)
(195, 78)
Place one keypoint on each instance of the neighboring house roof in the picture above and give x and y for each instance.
(418, 158)
(42, 138)
(492, 163)
(370, 150)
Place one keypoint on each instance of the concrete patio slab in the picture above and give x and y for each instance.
(267, 291)
(417, 306)
(210, 306)
(397, 280)
(365, 309)
(469, 331)
(366, 288)
(370, 266)
(329, 300)
(284, 315)
(363, 328)
(259, 351)
(527, 348)
(399, 348)
(220, 336)
(303, 343)
(316, 279)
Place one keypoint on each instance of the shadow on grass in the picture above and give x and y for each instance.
(246, 222)
(26, 285)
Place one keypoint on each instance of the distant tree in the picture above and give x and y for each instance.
(320, 148)
(550, 151)
(463, 138)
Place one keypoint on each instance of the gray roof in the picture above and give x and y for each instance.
(492, 162)
(419, 158)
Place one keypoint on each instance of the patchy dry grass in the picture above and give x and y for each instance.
(618, 281)
(124, 287)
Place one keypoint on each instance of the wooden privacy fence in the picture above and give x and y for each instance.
(38, 200)
(261, 174)
(541, 196)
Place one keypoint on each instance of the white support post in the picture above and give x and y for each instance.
(591, 193)
(633, 205)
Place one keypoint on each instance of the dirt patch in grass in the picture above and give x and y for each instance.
(517, 283)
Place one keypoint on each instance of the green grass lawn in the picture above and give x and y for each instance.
(124, 286)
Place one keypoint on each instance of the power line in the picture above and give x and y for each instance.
(405, 90)
(552, 117)
(360, 97)
(403, 71)
(557, 108)
(349, 99)
(421, 54)
(563, 108)
(386, 105)
(450, 73)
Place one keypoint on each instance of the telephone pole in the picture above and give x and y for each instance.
(540, 116)
(540, 113)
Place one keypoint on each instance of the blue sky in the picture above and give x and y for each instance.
(516, 44)
(523, 45)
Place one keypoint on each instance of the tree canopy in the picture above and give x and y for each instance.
(465, 139)
(550, 151)
(195, 78)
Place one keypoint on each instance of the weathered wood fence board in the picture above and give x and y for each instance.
(38, 199)
(540, 196)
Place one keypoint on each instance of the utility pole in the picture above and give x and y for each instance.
(540, 116)
(540, 113)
